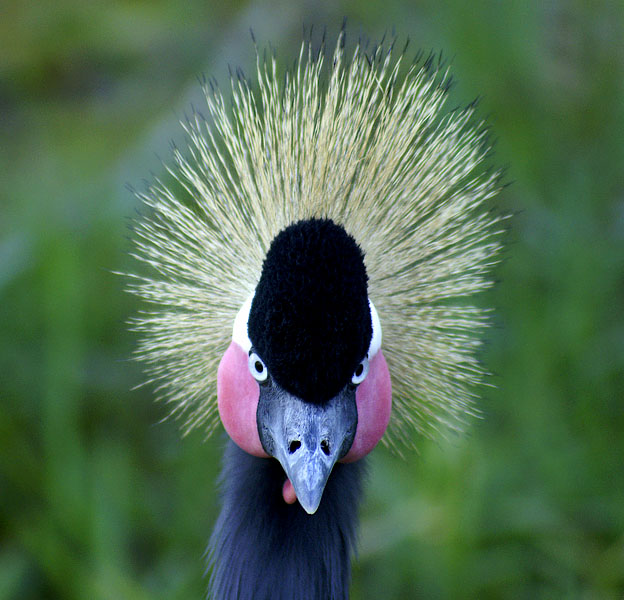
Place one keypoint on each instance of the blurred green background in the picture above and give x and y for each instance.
(102, 498)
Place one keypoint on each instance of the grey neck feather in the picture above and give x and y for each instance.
(265, 549)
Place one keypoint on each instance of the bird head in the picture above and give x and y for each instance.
(364, 141)
(304, 379)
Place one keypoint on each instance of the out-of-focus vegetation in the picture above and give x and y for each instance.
(101, 499)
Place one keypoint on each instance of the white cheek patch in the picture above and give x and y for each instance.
(239, 332)
(241, 337)
(376, 339)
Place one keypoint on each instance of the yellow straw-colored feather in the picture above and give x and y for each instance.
(365, 141)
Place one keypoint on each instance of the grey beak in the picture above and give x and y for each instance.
(307, 439)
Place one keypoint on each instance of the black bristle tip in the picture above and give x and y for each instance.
(310, 319)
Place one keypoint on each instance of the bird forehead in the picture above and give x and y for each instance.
(310, 318)
(241, 336)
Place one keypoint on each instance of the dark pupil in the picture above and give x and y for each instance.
(359, 370)
(258, 366)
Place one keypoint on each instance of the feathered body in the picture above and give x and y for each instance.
(367, 145)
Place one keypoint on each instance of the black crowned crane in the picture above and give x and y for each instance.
(307, 215)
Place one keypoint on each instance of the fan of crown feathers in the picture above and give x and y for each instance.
(362, 138)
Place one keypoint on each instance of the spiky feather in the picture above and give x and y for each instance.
(367, 144)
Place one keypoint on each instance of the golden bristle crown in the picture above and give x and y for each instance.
(365, 141)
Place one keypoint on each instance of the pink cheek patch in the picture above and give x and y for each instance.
(374, 403)
(237, 396)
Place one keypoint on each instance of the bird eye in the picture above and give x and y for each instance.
(360, 372)
(257, 368)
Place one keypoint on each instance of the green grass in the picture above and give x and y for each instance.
(101, 499)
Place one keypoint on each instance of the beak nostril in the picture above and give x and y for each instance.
(294, 446)
(325, 447)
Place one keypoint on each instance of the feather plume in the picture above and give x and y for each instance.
(365, 141)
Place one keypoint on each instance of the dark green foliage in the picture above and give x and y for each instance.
(99, 499)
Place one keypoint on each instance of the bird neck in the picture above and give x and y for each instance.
(265, 549)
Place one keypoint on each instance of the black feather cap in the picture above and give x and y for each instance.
(310, 318)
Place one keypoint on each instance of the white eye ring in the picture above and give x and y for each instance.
(360, 373)
(257, 368)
